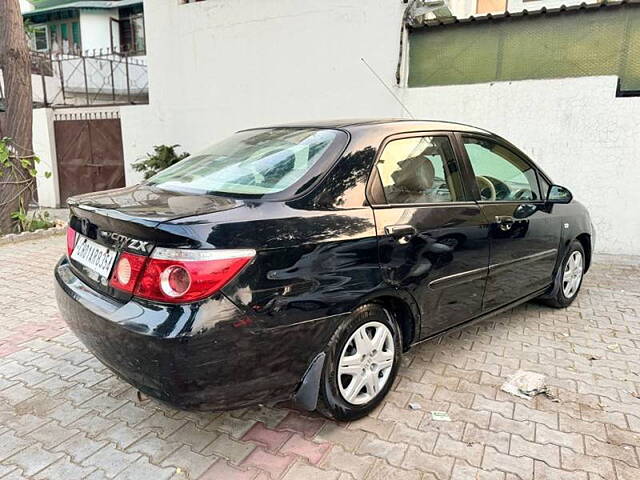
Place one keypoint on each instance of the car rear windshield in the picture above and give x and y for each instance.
(251, 162)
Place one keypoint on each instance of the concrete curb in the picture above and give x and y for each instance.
(25, 236)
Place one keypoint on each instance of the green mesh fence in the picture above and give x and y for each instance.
(604, 41)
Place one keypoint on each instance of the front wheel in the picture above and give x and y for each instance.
(569, 279)
(362, 362)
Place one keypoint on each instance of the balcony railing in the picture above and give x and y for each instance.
(100, 77)
(41, 64)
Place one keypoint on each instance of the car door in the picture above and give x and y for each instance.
(432, 236)
(524, 233)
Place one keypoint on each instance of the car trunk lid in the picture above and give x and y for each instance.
(134, 219)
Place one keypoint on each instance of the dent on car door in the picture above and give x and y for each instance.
(524, 233)
(432, 240)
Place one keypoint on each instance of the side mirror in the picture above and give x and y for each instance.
(558, 194)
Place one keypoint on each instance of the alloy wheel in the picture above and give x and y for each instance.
(365, 363)
(572, 274)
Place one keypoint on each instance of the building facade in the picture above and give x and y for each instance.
(216, 67)
(469, 8)
(74, 27)
(88, 57)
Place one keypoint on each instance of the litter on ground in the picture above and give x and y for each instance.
(526, 385)
(440, 416)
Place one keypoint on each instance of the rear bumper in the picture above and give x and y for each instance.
(208, 356)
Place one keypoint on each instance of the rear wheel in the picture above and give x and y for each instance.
(569, 279)
(361, 364)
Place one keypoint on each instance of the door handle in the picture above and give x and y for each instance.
(505, 222)
(399, 231)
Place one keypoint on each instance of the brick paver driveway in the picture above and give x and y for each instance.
(64, 416)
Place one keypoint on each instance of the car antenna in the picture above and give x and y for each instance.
(387, 88)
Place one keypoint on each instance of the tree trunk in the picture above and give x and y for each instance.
(16, 183)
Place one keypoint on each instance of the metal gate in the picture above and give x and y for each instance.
(89, 154)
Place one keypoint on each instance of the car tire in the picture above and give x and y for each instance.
(569, 277)
(350, 357)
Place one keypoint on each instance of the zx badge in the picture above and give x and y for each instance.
(122, 241)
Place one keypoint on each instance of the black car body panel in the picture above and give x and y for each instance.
(321, 252)
(205, 356)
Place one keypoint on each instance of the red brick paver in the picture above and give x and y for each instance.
(63, 415)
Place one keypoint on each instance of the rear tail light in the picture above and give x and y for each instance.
(128, 269)
(71, 240)
(181, 275)
(175, 281)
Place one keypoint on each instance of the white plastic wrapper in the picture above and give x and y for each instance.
(525, 384)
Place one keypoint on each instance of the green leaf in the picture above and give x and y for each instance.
(163, 156)
(47, 174)
(4, 153)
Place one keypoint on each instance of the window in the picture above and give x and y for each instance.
(501, 175)
(64, 37)
(53, 35)
(39, 38)
(131, 30)
(544, 187)
(253, 162)
(419, 170)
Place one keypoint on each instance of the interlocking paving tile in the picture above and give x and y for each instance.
(111, 460)
(222, 470)
(186, 460)
(227, 447)
(307, 472)
(63, 415)
(142, 468)
(64, 468)
(356, 465)
(33, 459)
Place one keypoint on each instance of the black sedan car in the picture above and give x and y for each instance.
(300, 261)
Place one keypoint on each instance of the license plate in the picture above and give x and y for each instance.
(94, 256)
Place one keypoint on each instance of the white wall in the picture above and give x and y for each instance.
(95, 27)
(52, 85)
(44, 146)
(226, 67)
(576, 129)
(136, 137)
(218, 66)
(25, 6)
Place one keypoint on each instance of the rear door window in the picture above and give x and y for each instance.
(420, 170)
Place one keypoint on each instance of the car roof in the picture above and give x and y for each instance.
(404, 123)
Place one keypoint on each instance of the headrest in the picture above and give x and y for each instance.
(416, 174)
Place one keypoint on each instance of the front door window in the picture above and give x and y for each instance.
(501, 175)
